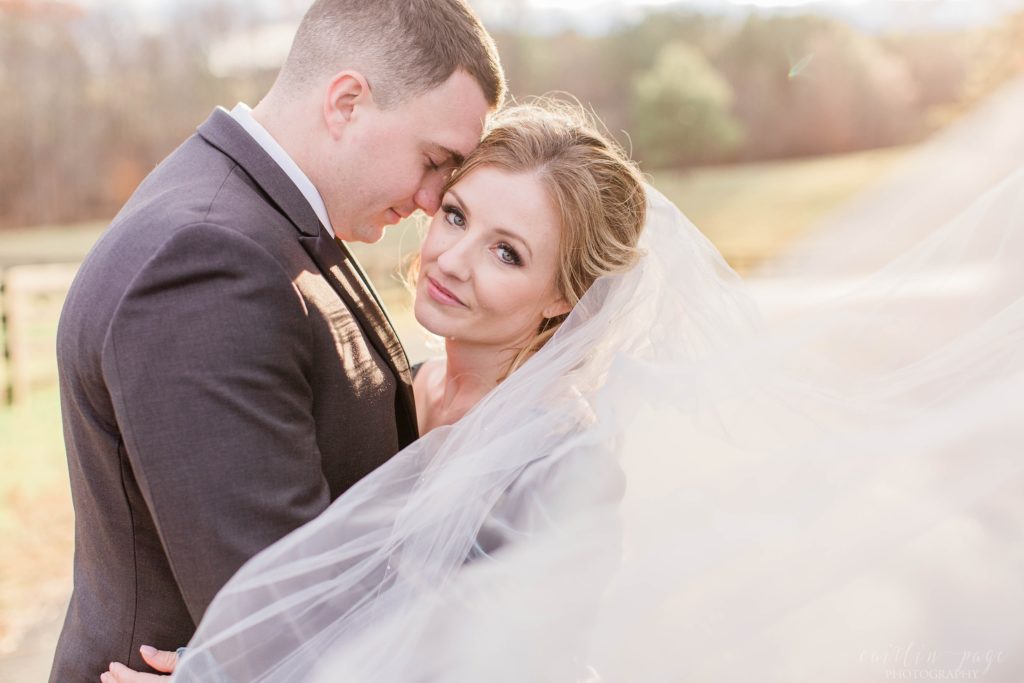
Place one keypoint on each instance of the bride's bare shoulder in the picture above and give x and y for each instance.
(427, 370)
(425, 386)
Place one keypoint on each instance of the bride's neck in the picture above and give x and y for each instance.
(472, 370)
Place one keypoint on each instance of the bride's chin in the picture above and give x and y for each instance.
(428, 319)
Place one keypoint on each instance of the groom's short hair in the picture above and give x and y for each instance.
(403, 47)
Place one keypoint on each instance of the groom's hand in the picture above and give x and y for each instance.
(161, 660)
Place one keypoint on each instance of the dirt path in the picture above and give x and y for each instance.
(932, 186)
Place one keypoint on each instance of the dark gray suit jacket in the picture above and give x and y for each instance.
(225, 373)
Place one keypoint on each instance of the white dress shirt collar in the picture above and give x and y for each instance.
(243, 114)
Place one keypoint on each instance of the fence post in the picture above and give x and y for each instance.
(5, 357)
(18, 356)
(33, 297)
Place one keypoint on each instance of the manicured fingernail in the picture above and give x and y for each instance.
(147, 650)
(106, 678)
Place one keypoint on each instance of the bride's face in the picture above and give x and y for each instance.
(489, 262)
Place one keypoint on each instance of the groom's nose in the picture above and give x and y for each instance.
(428, 197)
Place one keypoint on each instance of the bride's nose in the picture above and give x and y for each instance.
(454, 261)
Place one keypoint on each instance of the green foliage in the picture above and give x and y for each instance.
(598, 70)
(683, 110)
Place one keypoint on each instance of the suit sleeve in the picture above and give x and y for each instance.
(207, 361)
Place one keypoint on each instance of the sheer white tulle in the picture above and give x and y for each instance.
(679, 488)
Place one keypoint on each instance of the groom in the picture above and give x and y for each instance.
(226, 370)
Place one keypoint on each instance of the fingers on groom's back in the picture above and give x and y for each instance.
(161, 660)
(119, 673)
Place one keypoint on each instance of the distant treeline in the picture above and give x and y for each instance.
(92, 102)
(693, 89)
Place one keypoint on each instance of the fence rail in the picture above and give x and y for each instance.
(31, 297)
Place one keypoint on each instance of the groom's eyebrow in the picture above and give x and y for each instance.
(456, 157)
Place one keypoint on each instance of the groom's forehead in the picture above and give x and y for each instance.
(452, 115)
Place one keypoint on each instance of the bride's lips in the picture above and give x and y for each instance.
(442, 295)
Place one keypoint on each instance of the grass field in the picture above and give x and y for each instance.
(750, 212)
(753, 211)
(35, 517)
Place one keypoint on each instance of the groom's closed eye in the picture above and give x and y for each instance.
(444, 157)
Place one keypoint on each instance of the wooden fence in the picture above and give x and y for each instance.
(31, 297)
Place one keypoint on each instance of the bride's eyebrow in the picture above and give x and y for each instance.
(458, 200)
(511, 234)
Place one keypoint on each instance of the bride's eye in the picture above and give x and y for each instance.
(454, 216)
(508, 254)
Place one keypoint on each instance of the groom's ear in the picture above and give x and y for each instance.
(347, 94)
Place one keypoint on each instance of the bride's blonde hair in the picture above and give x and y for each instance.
(597, 189)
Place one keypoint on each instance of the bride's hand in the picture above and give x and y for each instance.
(161, 660)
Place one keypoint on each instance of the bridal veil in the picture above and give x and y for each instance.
(679, 487)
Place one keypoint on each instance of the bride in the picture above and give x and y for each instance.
(629, 474)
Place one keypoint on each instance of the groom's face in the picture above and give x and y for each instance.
(395, 161)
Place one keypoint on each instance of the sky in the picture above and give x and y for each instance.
(869, 15)
(582, 5)
(598, 15)
(570, 5)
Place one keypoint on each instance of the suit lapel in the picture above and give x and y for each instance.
(374, 305)
(338, 266)
(367, 284)
(334, 260)
(223, 132)
(340, 270)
